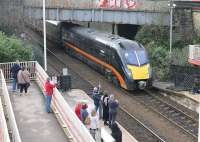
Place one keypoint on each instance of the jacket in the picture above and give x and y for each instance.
(14, 70)
(23, 77)
(49, 88)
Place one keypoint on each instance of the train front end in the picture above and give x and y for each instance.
(137, 66)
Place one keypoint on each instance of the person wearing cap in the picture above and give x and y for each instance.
(49, 86)
(14, 70)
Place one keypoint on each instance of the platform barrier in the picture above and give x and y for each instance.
(75, 130)
(13, 130)
(4, 136)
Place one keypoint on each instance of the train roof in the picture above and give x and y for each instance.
(106, 38)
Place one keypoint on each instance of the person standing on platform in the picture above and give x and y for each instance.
(96, 97)
(113, 106)
(78, 110)
(14, 70)
(105, 100)
(85, 115)
(49, 92)
(23, 78)
(94, 123)
(116, 132)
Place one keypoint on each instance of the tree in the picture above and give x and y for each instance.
(12, 49)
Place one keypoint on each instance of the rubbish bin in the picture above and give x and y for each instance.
(65, 82)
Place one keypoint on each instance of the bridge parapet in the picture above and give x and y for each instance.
(133, 5)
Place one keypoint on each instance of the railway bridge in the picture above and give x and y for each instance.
(126, 14)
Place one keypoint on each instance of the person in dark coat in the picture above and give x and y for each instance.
(116, 132)
(105, 100)
(14, 70)
(113, 107)
(96, 97)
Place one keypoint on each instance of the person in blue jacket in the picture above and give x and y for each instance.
(14, 70)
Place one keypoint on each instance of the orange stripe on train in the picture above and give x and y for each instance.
(116, 73)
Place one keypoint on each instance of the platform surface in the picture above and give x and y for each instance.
(166, 85)
(74, 96)
(34, 123)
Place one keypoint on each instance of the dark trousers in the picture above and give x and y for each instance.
(23, 87)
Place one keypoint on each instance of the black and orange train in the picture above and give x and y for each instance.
(122, 61)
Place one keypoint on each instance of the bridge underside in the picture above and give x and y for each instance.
(100, 15)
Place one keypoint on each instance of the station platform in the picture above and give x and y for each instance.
(34, 123)
(74, 96)
(193, 99)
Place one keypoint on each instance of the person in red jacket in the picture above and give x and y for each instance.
(78, 110)
(49, 92)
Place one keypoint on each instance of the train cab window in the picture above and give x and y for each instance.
(131, 58)
(136, 57)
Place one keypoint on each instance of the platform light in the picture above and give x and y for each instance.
(44, 34)
(171, 5)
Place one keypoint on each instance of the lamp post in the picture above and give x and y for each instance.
(171, 6)
(44, 33)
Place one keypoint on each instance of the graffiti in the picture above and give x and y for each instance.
(128, 4)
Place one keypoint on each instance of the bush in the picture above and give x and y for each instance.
(12, 49)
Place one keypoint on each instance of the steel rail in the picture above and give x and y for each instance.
(169, 119)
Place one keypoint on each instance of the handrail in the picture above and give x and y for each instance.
(9, 110)
(77, 130)
(4, 136)
(69, 121)
(6, 67)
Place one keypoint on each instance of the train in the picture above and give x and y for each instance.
(122, 61)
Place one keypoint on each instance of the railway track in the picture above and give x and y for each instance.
(129, 123)
(139, 130)
(171, 113)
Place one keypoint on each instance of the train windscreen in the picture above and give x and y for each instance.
(135, 54)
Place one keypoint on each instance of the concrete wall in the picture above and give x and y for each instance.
(11, 14)
(196, 18)
(105, 4)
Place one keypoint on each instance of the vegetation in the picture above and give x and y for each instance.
(156, 40)
(12, 48)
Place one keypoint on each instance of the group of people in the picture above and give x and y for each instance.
(89, 118)
(106, 107)
(21, 78)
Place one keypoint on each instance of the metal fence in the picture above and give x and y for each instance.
(6, 67)
(184, 76)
